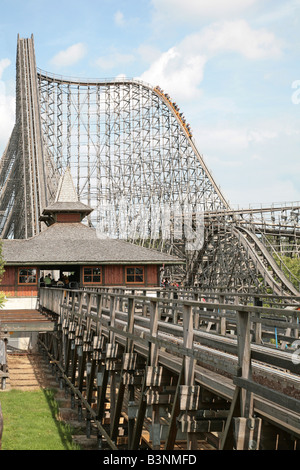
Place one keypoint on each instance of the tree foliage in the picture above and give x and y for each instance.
(290, 265)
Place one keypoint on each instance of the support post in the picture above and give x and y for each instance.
(257, 324)
(154, 311)
(120, 397)
(171, 438)
(244, 359)
(189, 402)
(222, 315)
(242, 431)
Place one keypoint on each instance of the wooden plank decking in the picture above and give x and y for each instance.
(25, 320)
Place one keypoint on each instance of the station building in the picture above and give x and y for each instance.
(70, 251)
(74, 256)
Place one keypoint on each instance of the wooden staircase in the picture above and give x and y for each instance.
(28, 372)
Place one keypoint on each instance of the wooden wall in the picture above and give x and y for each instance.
(68, 217)
(152, 276)
(112, 275)
(10, 287)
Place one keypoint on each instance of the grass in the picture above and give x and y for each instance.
(30, 422)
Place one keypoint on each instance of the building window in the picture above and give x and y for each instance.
(27, 276)
(92, 275)
(134, 275)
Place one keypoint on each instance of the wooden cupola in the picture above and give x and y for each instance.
(66, 207)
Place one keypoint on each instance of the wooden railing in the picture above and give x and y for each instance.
(187, 338)
(274, 319)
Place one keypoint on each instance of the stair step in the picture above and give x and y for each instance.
(28, 372)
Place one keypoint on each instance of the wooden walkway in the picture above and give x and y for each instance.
(25, 320)
(181, 370)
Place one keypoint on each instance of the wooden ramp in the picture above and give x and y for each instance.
(25, 320)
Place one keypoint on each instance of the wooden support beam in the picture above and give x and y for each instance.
(189, 369)
(280, 399)
(221, 325)
(257, 324)
(240, 422)
(154, 318)
(90, 380)
(122, 386)
(155, 313)
(172, 431)
(227, 442)
(81, 367)
(142, 406)
(244, 360)
(188, 338)
(67, 354)
(102, 388)
(246, 433)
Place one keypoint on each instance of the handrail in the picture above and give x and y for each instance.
(51, 299)
(49, 76)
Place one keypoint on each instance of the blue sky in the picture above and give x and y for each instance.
(232, 66)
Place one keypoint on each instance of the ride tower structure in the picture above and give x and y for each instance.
(128, 146)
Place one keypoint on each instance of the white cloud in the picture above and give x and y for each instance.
(280, 11)
(178, 74)
(259, 135)
(197, 10)
(69, 56)
(119, 18)
(235, 139)
(147, 53)
(237, 36)
(114, 59)
(248, 160)
(180, 69)
(267, 192)
(128, 22)
(7, 108)
(4, 63)
(7, 116)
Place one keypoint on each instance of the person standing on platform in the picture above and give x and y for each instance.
(48, 280)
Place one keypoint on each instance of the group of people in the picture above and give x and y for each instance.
(166, 283)
(176, 108)
(47, 281)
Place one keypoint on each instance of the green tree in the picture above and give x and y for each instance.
(290, 265)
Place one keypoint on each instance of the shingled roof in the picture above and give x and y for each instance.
(66, 191)
(76, 243)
